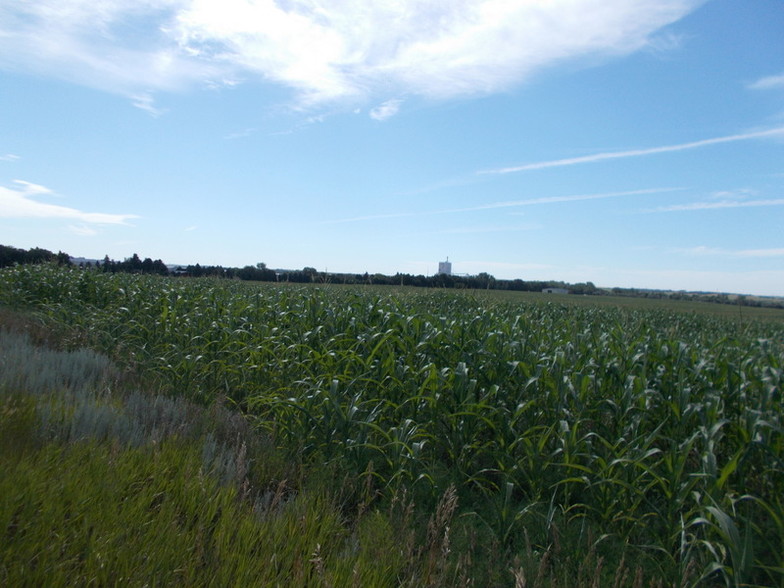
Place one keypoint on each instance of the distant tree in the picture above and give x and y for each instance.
(11, 255)
(310, 273)
(38, 255)
(63, 258)
(266, 274)
(247, 273)
(485, 280)
(194, 270)
(443, 281)
(158, 267)
(259, 273)
(132, 264)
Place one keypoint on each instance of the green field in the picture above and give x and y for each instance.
(497, 437)
(736, 312)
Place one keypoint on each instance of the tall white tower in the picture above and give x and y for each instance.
(445, 267)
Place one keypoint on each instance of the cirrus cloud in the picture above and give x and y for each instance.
(702, 250)
(386, 110)
(351, 50)
(722, 204)
(20, 204)
(775, 132)
(766, 83)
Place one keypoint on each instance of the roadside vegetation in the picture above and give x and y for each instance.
(209, 430)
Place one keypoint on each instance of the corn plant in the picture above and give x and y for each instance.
(657, 429)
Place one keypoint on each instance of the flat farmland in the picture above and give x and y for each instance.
(554, 429)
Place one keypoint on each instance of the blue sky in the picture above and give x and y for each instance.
(632, 143)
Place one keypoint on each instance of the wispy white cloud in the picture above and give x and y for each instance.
(740, 253)
(776, 132)
(301, 125)
(146, 103)
(717, 205)
(19, 203)
(737, 194)
(9, 157)
(83, 230)
(370, 217)
(507, 204)
(30, 189)
(486, 229)
(386, 110)
(324, 51)
(559, 199)
(665, 43)
(768, 82)
(113, 45)
(247, 132)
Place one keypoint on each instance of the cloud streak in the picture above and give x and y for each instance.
(369, 217)
(768, 82)
(776, 132)
(349, 50)
(717, 205)
(487, 229)
(742, 253)
(146, 103)
(507, 204)
(19, 204)
(386, 110)
(559, 199)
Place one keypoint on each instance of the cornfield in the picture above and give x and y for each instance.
(654, 434)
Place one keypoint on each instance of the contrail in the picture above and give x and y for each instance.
(507, 204)
(634, 152)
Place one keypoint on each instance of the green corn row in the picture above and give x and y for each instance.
(660, 429)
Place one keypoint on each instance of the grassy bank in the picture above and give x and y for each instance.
(103, 484)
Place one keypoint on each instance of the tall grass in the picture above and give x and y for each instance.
(624, 434)
(105, 484)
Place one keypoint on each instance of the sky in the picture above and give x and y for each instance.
(630, 143)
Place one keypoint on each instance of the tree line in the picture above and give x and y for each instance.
(261, 273)
(14, 256)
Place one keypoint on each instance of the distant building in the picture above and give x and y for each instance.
(445, 267)
(555, 291)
